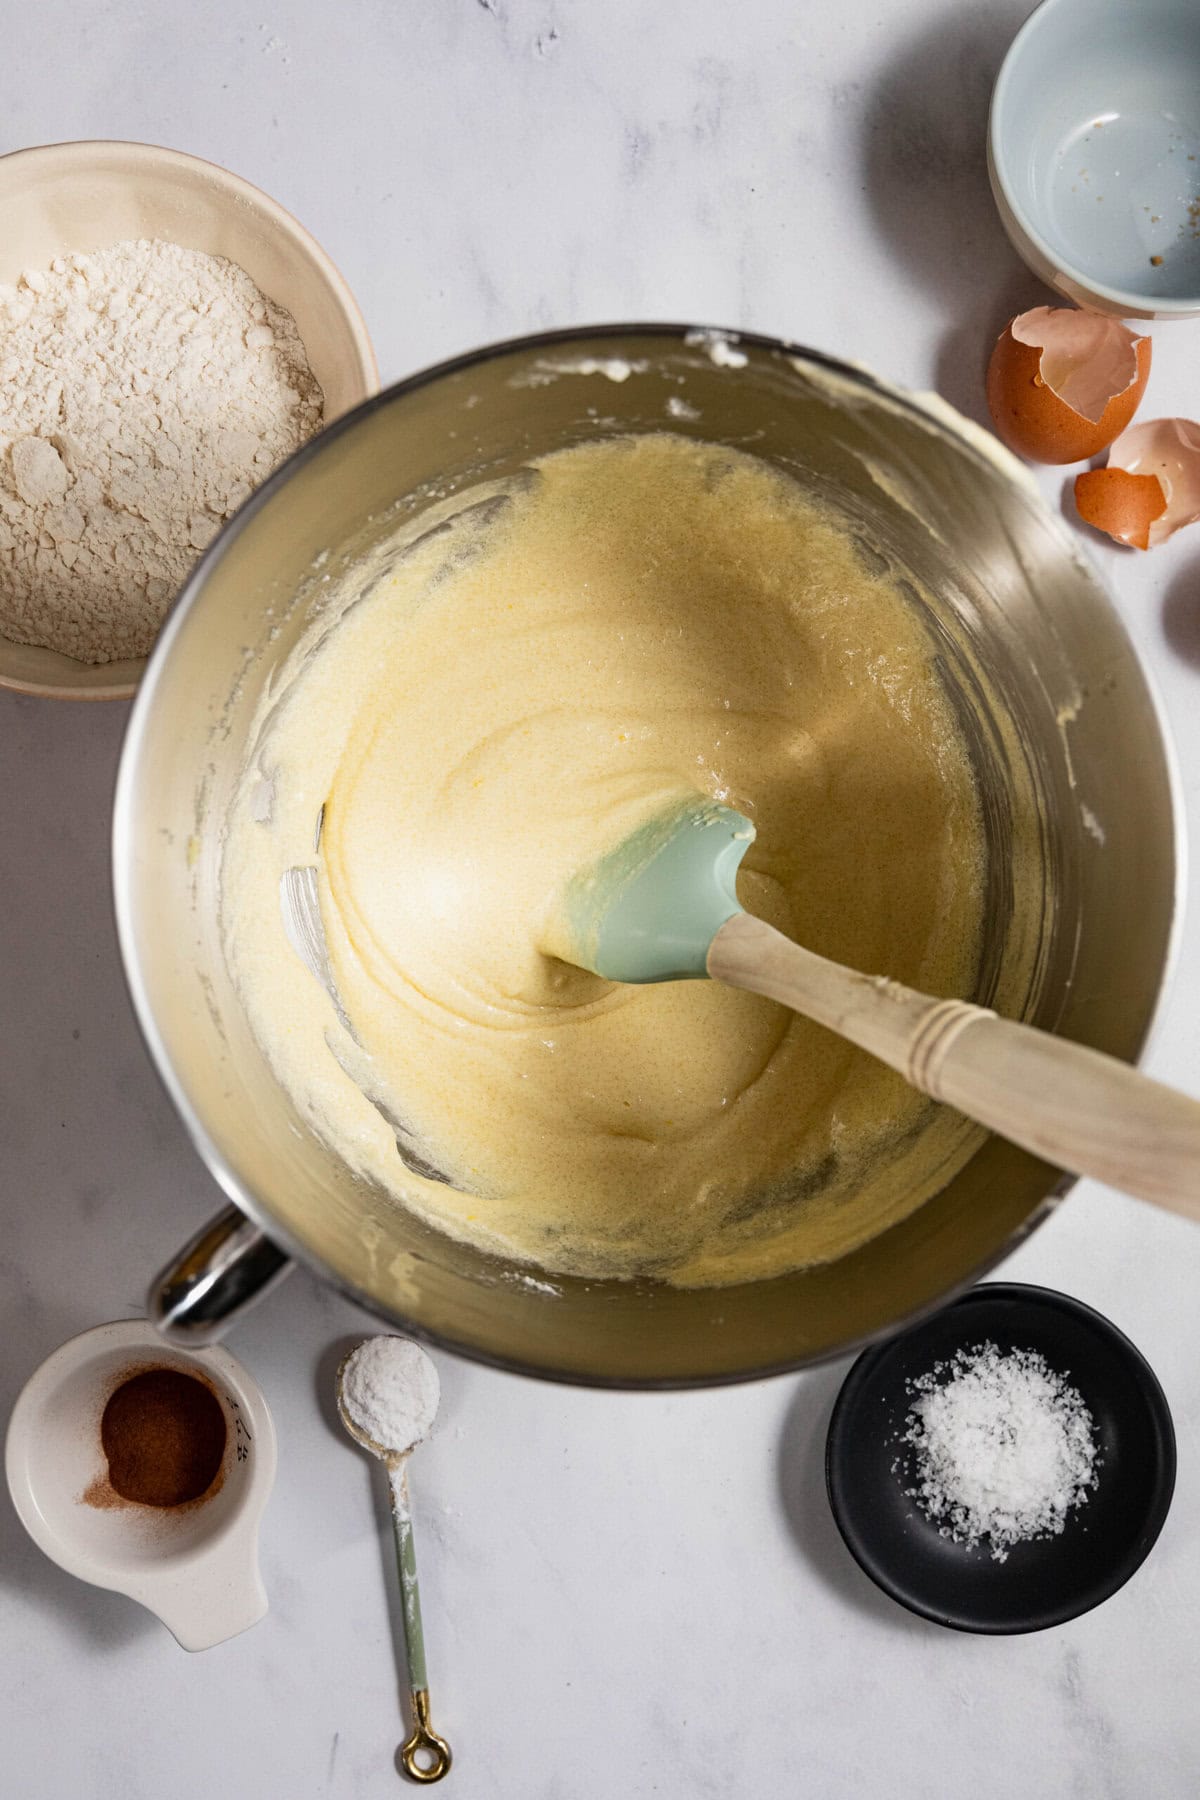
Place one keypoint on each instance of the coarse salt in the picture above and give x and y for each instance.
(1004, 1447)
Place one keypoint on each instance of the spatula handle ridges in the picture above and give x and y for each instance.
(1074, 1107)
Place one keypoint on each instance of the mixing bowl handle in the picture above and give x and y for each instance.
(223, 1270)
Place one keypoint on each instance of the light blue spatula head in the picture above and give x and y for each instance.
(649, 910)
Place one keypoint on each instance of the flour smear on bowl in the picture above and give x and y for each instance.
(145, 391)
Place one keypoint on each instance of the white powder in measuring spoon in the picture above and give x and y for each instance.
(390, 1391)
(1005, 1448)
(145, 391)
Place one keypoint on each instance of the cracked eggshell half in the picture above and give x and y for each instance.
(1062, 384)
(1151, 486)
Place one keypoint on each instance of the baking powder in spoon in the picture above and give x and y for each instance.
(390, 1391)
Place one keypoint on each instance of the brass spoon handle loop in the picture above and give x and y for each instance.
(424, 1738)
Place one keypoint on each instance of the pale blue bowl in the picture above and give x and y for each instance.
(1094, 152)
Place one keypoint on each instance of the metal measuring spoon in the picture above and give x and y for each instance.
(389, 1386)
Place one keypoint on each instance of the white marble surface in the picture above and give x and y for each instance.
(625, 1595)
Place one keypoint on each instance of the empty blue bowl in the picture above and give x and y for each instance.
(1094, 152)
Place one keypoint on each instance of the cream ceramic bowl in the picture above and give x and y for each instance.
(84, 196)
(195, 1567)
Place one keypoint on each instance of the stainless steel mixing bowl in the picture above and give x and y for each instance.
(1072, 765)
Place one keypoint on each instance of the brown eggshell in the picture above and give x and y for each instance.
(1033, 420)
(1123, 505)
(1169, 450)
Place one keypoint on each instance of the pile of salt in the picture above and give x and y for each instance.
(1004, 1448)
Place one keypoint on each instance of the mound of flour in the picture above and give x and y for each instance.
(145, 390)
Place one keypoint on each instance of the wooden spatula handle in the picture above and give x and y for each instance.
(1075, 1107)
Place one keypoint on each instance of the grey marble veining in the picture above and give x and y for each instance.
(642, 1595)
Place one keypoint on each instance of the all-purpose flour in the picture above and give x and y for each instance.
(145, 390)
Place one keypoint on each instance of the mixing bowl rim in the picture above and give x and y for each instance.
(124, 838)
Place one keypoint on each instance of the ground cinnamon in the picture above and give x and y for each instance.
(163, 1432)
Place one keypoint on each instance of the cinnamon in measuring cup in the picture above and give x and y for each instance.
(163, 1433)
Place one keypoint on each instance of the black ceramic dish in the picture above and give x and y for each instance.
(1044, 1582)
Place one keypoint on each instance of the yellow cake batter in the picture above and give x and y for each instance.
(634, 621)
